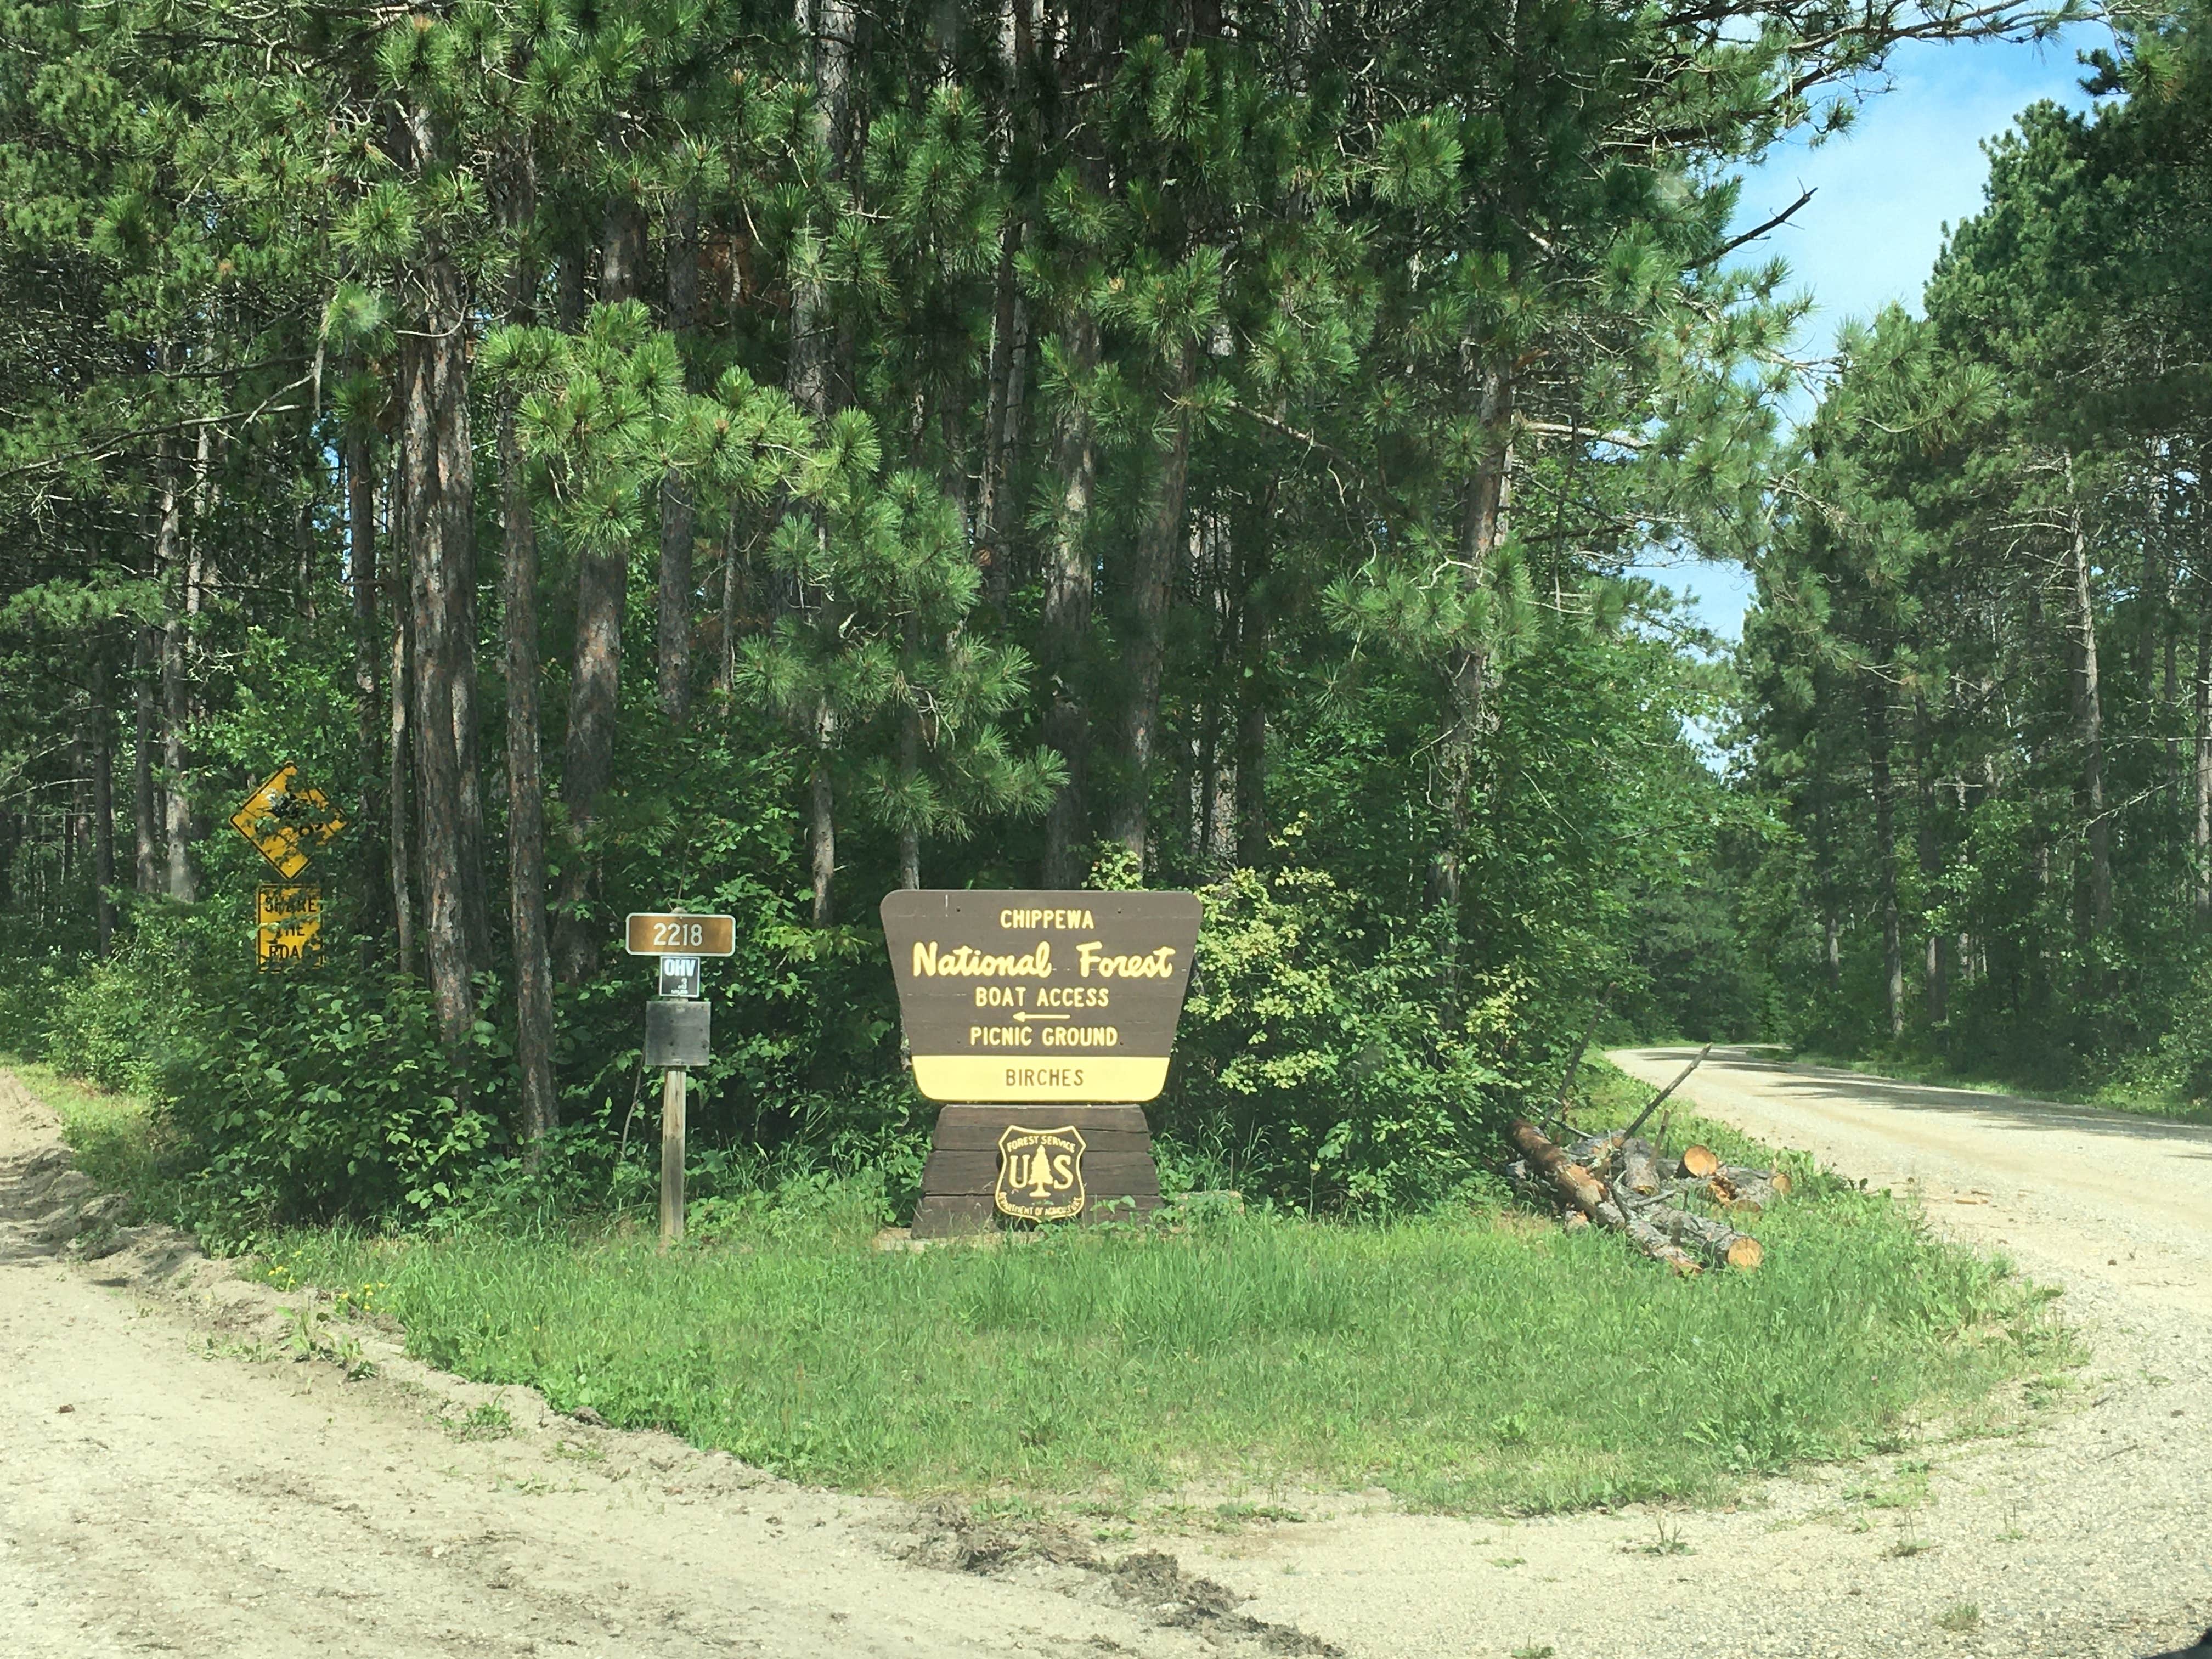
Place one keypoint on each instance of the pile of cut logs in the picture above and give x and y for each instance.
(1619, 1181)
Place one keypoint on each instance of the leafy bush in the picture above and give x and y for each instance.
(1314, 1060)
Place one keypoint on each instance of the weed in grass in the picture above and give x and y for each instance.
(356, 1365)
(359, 1299)
(1911, 1544)
(304, 1338)
(253, 1350)
(1669, 1541)
(488, 1421)
(569, 1452)
(1509, 1560)
(1908, 1490)
(1536, 1651)
(1960, 1618)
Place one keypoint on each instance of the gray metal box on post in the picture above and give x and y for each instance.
(678, 1033)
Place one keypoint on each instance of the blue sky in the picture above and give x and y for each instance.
(1911, 164)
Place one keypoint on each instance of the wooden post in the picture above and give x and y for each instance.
(672, 1156)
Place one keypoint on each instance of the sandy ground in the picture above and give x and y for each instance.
(173, 1478)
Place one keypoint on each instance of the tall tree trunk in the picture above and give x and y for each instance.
(2089, 720)
(1468, 716)
(177, 876)
(822, 817)
(595, 681)
(737, 574)
(594, 690)
(1254, 556)
(144, 809)
(830, 26)
(909, 835)
(525, 778)
(439, 515)
(678, 525)
(1070, 579)
(1823, 872)
(1002, 415)
(103, 798)
(1885, 838)
(180, 878)
(1144, 658)
(1938, 966)
(368, 684)
(400, 751)
(525, 793)
(2201, 839)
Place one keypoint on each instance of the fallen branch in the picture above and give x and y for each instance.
(1619, 1182)
(1587, 1195)
(1577, 1185)
(1657, 1099)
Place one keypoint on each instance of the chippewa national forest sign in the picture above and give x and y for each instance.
(1041, 996)
(1013, 1000)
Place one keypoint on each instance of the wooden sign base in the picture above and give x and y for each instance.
(958, 1181)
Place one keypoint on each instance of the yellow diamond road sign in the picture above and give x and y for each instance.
(286, 824)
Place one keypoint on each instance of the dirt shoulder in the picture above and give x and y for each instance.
(177, 1478)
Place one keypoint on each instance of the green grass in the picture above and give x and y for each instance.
(115, 1137)
(1466, 1362)
(1481, 1359)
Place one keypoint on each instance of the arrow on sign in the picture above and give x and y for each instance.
(1029, 1017)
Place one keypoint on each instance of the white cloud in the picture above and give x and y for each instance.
(1909, 165)
(1884, 192)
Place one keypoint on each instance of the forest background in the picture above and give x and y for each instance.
(703, 454)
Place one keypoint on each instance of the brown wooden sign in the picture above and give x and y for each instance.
(1041, 996)
(657, 933)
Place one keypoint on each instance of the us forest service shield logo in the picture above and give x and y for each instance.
(1040, 1173)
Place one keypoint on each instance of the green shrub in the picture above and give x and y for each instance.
(1315, 1061)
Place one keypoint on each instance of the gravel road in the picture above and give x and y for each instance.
(2090, 1536)
(173, 1478)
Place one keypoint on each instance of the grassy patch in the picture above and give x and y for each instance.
(1457, 1361)
(1960, 1618)
(1479, 1359)
(116, 1138)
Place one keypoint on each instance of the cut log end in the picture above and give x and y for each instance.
(1745, 1252)
(1699, 1163)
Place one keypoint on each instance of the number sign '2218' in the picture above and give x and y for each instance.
(655, 934)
